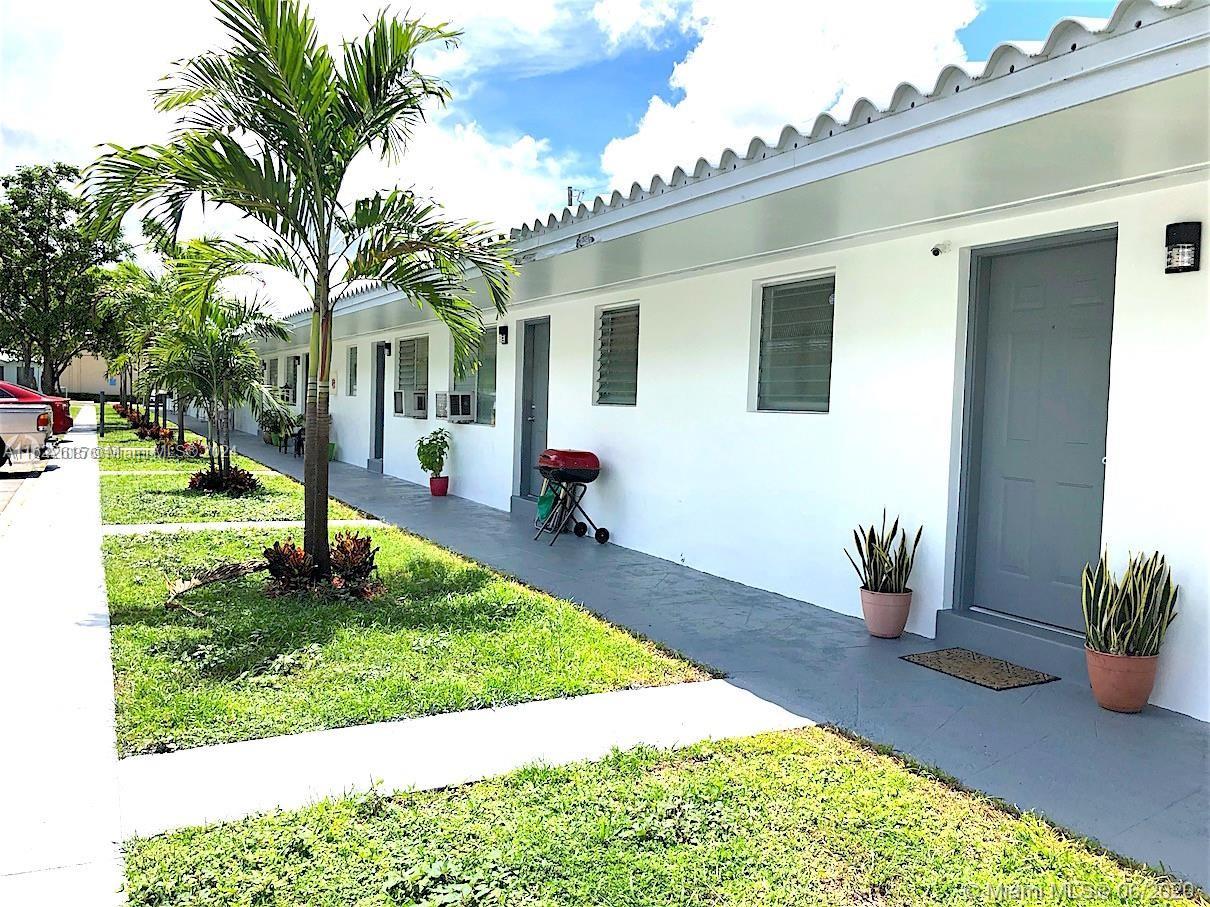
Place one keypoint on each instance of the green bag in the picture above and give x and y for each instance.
(546, 502)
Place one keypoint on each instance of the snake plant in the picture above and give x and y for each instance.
(885, 566)
(1128, 616)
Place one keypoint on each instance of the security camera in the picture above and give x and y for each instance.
(940, 249)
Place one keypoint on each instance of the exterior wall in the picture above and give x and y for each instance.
(86, 375)
(11, 368)
(691, 474)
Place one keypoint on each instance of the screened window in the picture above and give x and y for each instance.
(412, 376)
(273, 373)
(352, 369)
(482, 381)
(795, 372)
(617, 377)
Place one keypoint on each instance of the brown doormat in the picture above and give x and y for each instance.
(993, 673)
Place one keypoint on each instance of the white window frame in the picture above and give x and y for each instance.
(409, 411)
(754, 333)
(493, 331)
(598, 315)
(352, 367)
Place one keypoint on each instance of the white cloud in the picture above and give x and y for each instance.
(73, 75)
(642, 19)
(764, 63)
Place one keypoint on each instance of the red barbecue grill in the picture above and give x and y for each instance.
(568, 474)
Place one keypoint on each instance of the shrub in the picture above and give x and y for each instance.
(885, 566)
(290, 567)
(354, 567)
(431, 451)
(234, 483)
(1130, 615)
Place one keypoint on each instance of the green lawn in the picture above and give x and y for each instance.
(791, 819)
(446, 635)
(122, 450)
(168, 499)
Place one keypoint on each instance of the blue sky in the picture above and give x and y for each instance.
(579, 110)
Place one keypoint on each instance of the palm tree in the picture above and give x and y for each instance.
(135, 303)
(270, 126)
(208, 354)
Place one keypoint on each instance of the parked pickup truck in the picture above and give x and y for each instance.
(24, 431)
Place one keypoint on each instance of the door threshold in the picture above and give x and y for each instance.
(1074, 634)
(1037, 646)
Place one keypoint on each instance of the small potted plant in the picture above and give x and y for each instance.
(431, 451)
(885, 569)
(1125, 621)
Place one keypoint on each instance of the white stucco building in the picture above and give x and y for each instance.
(956, 308)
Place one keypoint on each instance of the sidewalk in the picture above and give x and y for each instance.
(232, 780)
(60, 827)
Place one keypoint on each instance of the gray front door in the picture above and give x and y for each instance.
(1042, 388)
(378, 404)
(535, 395)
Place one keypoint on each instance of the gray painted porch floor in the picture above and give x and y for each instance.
(1136, 783)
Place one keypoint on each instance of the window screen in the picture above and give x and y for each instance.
(617, 378)
(352, 377)
(411, 375)
(482, 381)
(796, 346)
(273, 373)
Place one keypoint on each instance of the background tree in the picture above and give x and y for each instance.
(270, 126)
(49, 276)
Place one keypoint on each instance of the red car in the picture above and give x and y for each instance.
(60, 406)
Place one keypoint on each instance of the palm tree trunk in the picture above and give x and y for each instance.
(315, 459)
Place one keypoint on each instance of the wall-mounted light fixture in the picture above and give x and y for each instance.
(1184, 244)
(503, 332)
(386, 347)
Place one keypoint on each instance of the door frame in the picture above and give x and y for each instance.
(972, 331)
(519, 395)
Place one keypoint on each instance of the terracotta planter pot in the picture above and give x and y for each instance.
(1121, 683)
(439, 485)
(886, 613)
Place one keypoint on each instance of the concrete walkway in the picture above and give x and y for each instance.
(144, 528)
(216, 783)
(59, 824)
(1137, 783)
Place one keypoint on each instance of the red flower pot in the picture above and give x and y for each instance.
(439, 486)
(1121, 683)
(886, 613)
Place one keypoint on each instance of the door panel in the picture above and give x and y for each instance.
(535, 398)
(378, 402)
(1042, 391)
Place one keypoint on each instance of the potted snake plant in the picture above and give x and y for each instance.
(885, 567)
(1125, 621)
(431, 451)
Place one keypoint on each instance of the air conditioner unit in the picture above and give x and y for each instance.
(462, 407)
(420, 404)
